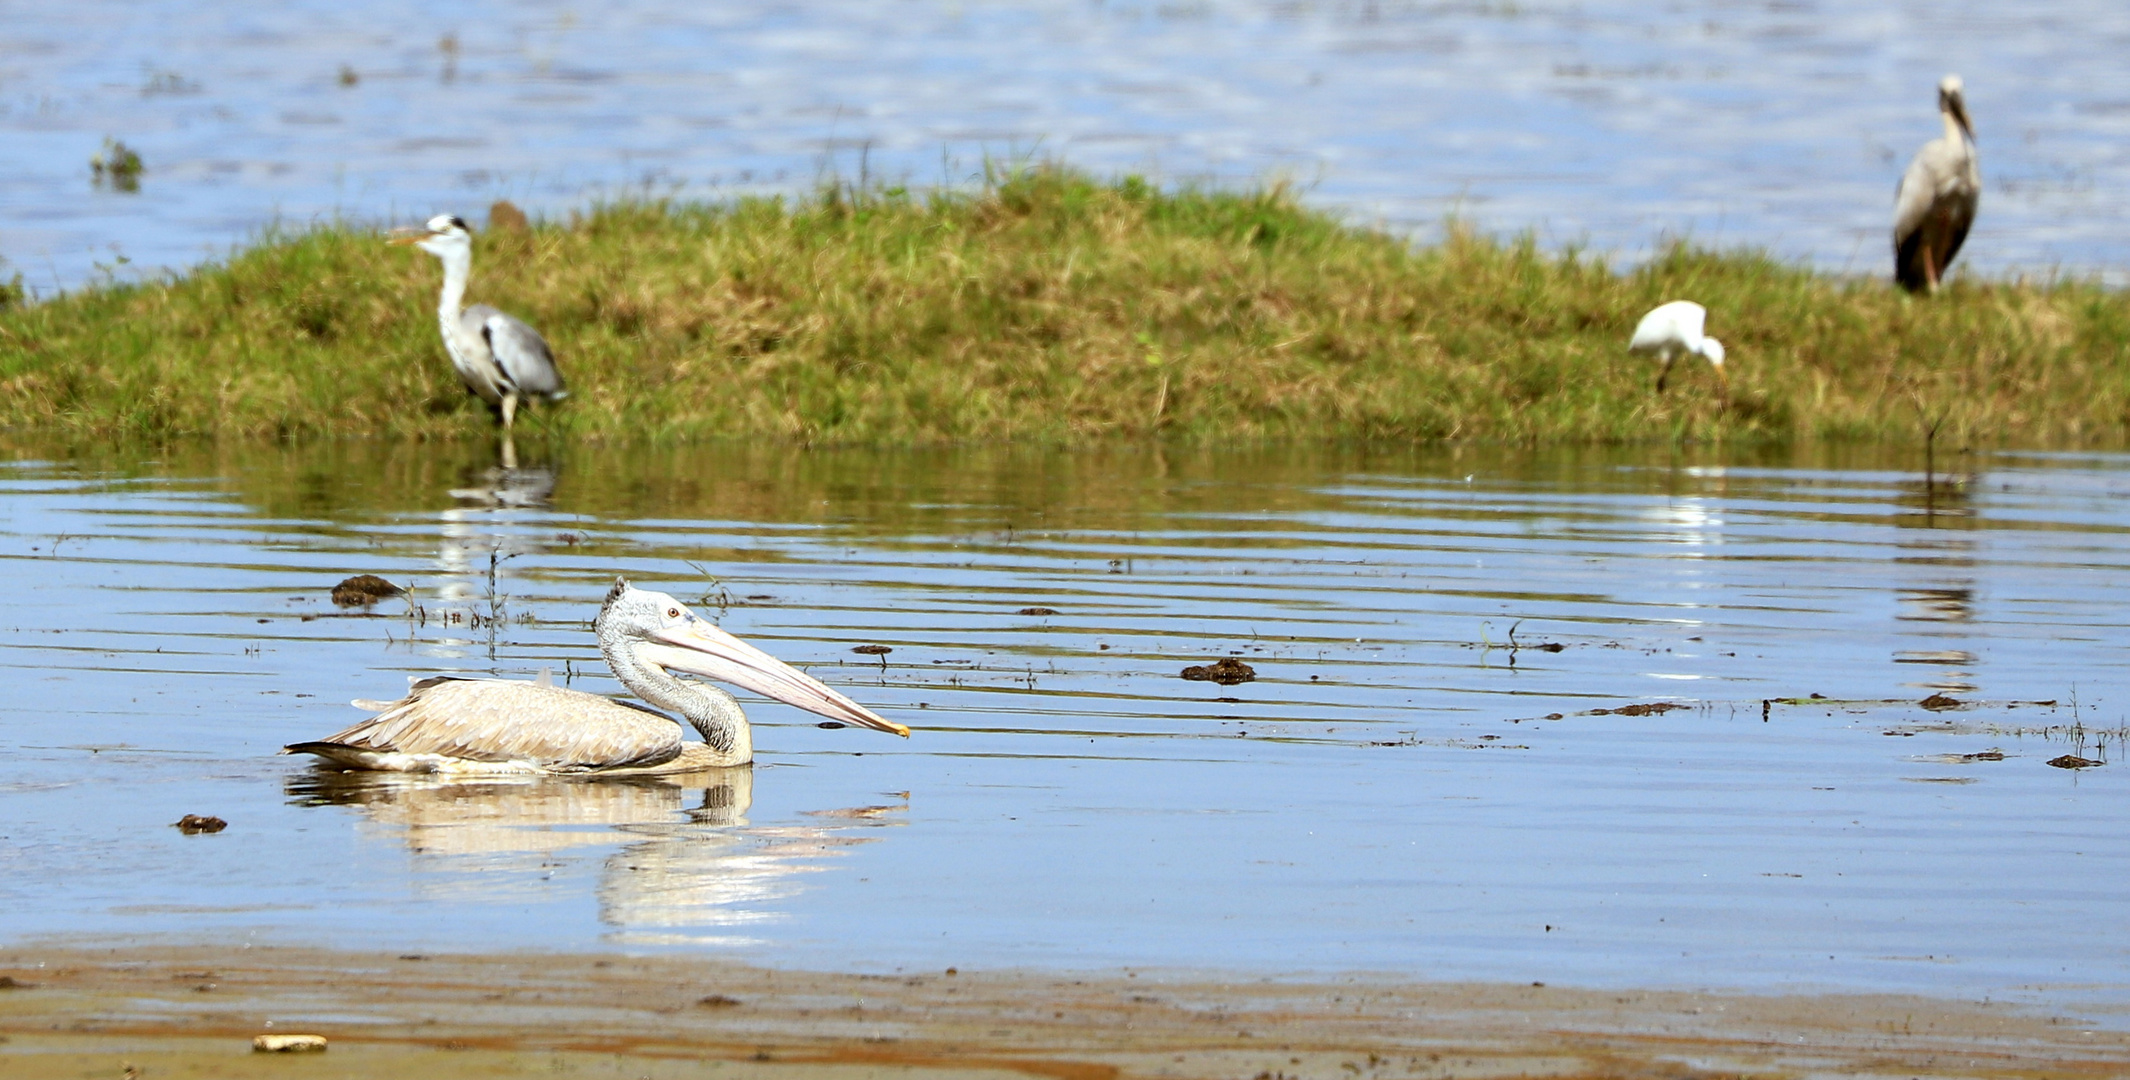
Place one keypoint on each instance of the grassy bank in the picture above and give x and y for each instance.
(1056, 308)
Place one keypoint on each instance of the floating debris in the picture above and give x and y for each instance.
(829, 725)
(2073, 761)
(1654, 708)
(1940, 703)
(362, 590)
(871, 650)
(349, 76)
(1227, 671)
(9, 982)
(717, 1001)
(195, 824)
(1037, 611)
(288, 1044)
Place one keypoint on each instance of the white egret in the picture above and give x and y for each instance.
(452, 725)
(502, 360)
(1673, 330)
(1934, 204)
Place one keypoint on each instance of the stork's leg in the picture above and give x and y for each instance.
(510, 410)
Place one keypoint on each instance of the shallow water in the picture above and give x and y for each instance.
(1783, 125)
(1398, 790)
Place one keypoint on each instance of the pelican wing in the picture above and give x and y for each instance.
(520, 352)
(497, 722)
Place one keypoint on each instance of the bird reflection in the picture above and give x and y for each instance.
(1940, 596)
(683, 864)
(1938, 604)
(483, 526)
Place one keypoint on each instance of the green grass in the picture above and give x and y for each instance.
(1054, 308)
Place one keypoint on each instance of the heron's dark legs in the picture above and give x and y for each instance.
(1664, 373)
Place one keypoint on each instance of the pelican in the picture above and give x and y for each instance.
(1935, 201)
(1673, 330)
(502, 360)
(454, 725)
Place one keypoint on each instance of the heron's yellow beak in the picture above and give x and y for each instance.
(405, 237)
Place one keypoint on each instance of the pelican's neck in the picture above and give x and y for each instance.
(713, 712)
(458, 266)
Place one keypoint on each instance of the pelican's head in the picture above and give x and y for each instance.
(445, 235)
(1952, 101)
(660, 631)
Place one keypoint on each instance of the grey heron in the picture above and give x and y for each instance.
(454, 725)
(1673, 330)
(501, 360)
(1935, 202)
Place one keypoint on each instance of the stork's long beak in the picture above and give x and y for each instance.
(698, 647)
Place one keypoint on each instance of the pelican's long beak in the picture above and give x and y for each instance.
(698, 647)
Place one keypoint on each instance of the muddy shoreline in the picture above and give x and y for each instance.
(167, 1011)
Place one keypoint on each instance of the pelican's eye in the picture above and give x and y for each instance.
(672, 613)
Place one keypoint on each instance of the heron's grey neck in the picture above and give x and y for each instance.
(1954, 133)
(715, 714)
(458, 266)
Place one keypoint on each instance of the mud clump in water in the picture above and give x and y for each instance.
(2073, 761)
(872, 650)
(1037, 611)
(195, 824)
(717, 1001)
(1227, 671)
(1939, 703)
(1654, 708)
(504, 216)
(362, 590)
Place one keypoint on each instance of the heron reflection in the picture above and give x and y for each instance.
(492, 507)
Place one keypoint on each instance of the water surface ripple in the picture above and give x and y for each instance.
(1429, 776)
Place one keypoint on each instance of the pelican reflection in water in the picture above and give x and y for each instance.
(673, 858)
(458, 725)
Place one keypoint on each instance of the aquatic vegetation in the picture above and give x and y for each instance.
(116, 166)
(1047, 306)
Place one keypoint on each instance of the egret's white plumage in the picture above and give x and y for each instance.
(494, 726)
(1673, 330)
(502, 360)
(1934, 204)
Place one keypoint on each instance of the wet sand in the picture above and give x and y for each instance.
(191, 1011)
